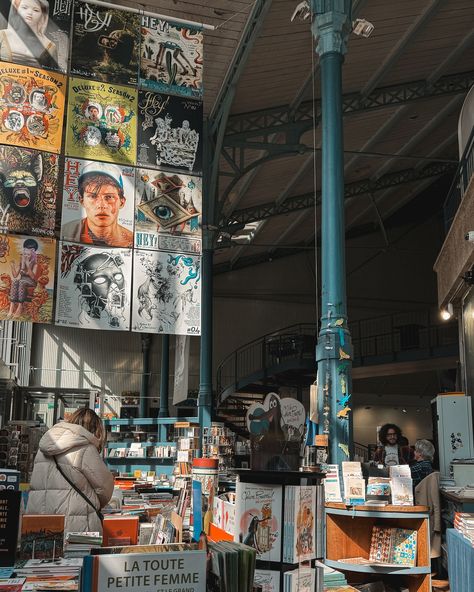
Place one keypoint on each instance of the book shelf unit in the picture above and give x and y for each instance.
(349, 533)
(283, 478)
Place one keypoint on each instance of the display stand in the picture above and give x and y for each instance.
(283, 478)
(349, 532)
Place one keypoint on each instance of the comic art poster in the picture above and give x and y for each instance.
(101, 121)
(35, 32)
(93, 287)
(169, 132)
(166, 293)
(171, 57)
(168, 211)
(31, 107)
(28, 191)
(27, 278)
(105, 43)
(98, 203)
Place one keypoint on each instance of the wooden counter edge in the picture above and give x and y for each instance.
(392, 509)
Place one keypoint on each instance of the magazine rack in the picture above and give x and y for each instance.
(349, 532)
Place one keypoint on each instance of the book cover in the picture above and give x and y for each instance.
(393, 546)
(9, 521)
(402, 491)
(304, 524)
(42, 536)
(12, 585)
(259, 519)
(268, 580)
(120, 530)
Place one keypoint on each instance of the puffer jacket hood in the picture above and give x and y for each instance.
(65, 436)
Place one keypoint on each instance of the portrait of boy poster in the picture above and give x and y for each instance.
(101, 121)
(169, 132)
(171, 57)
(93, 287)
(28, 191)
(27, 267)
(168, 211)
(105, 43)
(35, 33)
(98, 203)
(31, 107)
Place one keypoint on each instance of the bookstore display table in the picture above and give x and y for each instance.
(349, 535)
(460, 562)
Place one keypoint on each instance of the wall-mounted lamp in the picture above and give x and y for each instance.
(447, 312)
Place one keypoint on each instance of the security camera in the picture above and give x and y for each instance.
(470, 236)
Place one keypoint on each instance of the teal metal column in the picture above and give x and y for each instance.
(164, 376)
(331, 26)
(146, 341)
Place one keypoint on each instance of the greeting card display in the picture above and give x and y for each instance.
(171, 57)
(31, 107)
(101, 121)
(105, 43)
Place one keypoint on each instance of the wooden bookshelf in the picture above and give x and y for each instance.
(349, 533)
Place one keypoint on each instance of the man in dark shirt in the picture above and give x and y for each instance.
(424, 454)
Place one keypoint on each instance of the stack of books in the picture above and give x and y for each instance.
(232, 567)
(464, 523)
(61, 575)
(332, 578)
(79, 544)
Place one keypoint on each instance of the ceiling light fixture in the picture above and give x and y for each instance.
(362, 27)
(447, 312)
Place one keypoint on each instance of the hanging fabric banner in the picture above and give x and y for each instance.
(181, 368)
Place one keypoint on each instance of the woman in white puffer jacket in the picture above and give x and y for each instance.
(75, 446)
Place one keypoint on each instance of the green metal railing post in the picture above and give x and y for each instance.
(331, 27)
(144, 407)
(164, 376)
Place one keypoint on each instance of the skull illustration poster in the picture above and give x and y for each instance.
(102, 121)
(98, 203)
(105, 43)
(35, 32)
(169, 132)
(93, 287)
(27, 278)
(28, 191)
(166, 293)
(171, 57)
(31, 107)
(168, 211)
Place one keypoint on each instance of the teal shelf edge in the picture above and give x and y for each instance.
(142, 444)
(375, 569)
(375, 514)
(134, 458)
(149, 421)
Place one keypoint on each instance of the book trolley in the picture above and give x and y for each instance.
(349, 532)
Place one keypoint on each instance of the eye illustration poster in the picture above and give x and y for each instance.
(101, 122)
(27, 278)
(169, 132)
(31, 107)
(105, 43)
(166, 293)
(171, 57)
(28, 191)
(98, 203)
(168, 211)
(93, 287)
(35, 32)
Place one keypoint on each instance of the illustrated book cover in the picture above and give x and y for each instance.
(42, 536)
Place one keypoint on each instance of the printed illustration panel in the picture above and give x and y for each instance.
(168, 211)
(101, 122)
(98, 203)
(31, 107)
(169, 132)
(171, 57)
(105, 43)
(93, 287)
(35, 33)
(28, 191)
(166, 293)
(27, 278)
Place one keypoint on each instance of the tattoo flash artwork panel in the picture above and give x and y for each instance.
(28, 191)
(98, 203)
(168, 211)
(31, 107)
(105, 43)
(101, 122)
(169, 132)
(171, 57)
(36, 33)
(166, 293)
(93, 287)
(27, 268)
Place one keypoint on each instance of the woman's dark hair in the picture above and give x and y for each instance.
(30, 243)
(383, 432)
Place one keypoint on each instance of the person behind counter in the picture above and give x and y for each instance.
(391, 451)
(424, 454)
